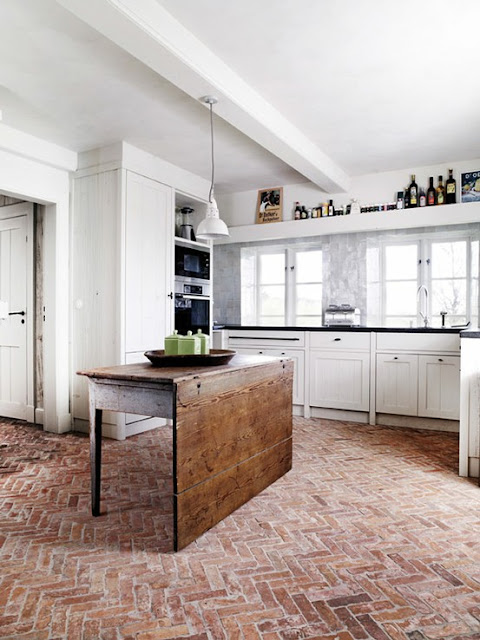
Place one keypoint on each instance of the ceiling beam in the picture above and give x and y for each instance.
(148, 32)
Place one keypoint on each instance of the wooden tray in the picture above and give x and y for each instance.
(214, 358)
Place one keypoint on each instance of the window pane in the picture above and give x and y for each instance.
(272, 300)
(449, 259)
(401, 298)
(309, 266)
(475, 259)
(449, 296)
(271, 321)
(401, 262)
(400, 321)
(272, 268)
(309, 299)
(309, 321)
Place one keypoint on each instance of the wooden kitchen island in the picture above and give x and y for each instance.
(232, 430)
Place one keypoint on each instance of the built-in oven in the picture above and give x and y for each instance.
(191, 261)
(192, 305)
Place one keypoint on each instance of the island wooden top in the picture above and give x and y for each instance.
(145, 372)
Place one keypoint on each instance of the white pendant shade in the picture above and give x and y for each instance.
(211, 226)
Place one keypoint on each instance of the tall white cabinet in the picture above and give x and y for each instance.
(122, 252)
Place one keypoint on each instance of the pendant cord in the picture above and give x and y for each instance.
(213, 161)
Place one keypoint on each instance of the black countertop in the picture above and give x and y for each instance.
(464, 333)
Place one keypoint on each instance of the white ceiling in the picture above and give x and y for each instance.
(328, 88)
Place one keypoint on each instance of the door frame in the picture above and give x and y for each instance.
(35, 170)
(17, 211)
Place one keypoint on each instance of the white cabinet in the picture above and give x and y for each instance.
(418, 374)
(122, 252)
(339, 370)
(278, 344)
(439, 386)
(396, 384)
(339, 380)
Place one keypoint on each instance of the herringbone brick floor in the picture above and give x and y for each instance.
(371, 535)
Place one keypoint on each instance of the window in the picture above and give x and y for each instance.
(446, 264)
(281, 286)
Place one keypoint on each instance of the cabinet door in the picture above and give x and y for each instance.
(439, 386)
(148, 263)
(339, 380)
(298, 358)
(397, 377)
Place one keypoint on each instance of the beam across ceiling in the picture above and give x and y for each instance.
(148, 32)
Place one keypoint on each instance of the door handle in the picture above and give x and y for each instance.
(16, 313)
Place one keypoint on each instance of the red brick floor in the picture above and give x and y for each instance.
(371, 535)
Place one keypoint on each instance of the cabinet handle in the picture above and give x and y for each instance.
(440, 359)
(336, 339)
(283, 353)
(170, 295)
(395, 357)
(260, 352)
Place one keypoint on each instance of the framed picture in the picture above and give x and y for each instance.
(471, 186)
(269, 205)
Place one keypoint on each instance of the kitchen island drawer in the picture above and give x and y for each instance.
(340, 340)
(418, 342)
(270, 338)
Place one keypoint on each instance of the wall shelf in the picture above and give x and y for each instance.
(461, 213)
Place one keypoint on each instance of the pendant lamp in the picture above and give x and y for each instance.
(212, 227)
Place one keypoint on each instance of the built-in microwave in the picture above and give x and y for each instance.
(191, 261)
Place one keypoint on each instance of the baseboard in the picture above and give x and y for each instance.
(414, 422)
(39, 416)
(473, 467)
(298, 410)
(113, 431)
(339, 414)
(145, 425)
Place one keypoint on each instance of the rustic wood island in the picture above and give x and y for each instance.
(232, 430)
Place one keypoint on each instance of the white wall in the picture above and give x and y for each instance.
(239, 208)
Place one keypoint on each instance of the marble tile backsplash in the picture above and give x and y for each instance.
(349, 271)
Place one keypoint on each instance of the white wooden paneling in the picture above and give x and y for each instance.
(418, 342)
(95, 279)
(439, 386)
(265, 338)
(339, 380)
(397, 381)
(148, 206)
(340, 340)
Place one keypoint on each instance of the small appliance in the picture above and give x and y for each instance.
(342, 315)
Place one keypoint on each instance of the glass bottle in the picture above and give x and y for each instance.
(298, 212)
(422, 199)
(440, 191)
(431, 193)
(450, 188)
(413, 193)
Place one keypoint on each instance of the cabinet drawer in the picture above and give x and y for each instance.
(252, 337)
(340, 340)
(417, 342)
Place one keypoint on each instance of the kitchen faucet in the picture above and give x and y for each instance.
(424, 316)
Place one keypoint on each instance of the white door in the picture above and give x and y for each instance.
(339, 380)
(439, 386)
(397, 384)
(13, 319)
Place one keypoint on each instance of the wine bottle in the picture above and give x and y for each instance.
(407, 198)
(431, 194)
(422, 199)
(450, 188)
(330, 208)
(440, 191)
(413, 193)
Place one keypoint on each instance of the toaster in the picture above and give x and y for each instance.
(343, 315)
